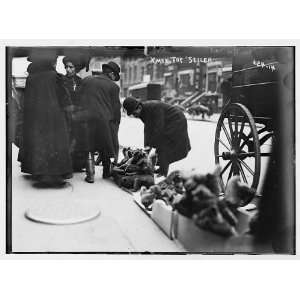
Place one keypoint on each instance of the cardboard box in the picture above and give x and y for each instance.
(243, 220)
(194, 239)
(162, 215)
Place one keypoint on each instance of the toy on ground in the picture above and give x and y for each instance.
(169, 190)
(134, 170)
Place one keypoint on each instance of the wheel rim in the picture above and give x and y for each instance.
(237, 147)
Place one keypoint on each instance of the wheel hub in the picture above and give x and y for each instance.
(230, 155)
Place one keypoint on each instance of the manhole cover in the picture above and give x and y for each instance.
(62, 213)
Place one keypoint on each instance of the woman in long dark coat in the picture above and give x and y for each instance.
(99, 98)
(165, 129)
(45, 149)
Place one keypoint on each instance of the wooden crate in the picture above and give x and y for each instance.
(195, 239)
(163, 215)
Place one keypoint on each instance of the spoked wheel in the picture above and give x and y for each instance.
(237, 147)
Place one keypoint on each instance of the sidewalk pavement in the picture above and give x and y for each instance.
(121, 227)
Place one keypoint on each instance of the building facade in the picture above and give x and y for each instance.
(178, 78)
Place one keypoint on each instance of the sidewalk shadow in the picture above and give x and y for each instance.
(28, 177)
(56, 186)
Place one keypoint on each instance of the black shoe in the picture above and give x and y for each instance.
(90, 178)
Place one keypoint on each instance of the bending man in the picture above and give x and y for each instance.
(165, 129)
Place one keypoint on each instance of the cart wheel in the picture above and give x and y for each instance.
(237, 147)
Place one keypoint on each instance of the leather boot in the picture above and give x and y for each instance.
(90, 168)
(106, 167)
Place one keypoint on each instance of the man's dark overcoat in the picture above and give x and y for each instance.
(165, 129)
(99, 98)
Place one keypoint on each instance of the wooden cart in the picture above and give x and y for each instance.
(244, 131)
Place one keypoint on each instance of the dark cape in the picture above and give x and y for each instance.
(45, 147)
(165, 129)
(99, 98)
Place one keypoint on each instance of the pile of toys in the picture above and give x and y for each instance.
(169, 190)
(197, 196)
(135, 170)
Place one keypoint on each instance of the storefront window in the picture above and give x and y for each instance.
(169, 86)
(185, 86)
(212, 82)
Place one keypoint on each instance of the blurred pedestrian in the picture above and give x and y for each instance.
(99, 98)
(165, 129)
(45, 148)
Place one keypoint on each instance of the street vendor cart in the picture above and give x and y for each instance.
(245, 128)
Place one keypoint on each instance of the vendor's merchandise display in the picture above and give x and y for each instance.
(188, 207)
(202, 203)
(135, 170)
(197, 197)
(168, 190)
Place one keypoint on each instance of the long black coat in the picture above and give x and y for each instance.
(99, 98)
(165, 129)
(45, 149)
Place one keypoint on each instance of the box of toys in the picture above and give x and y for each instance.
(195, 239)
(189, 207)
